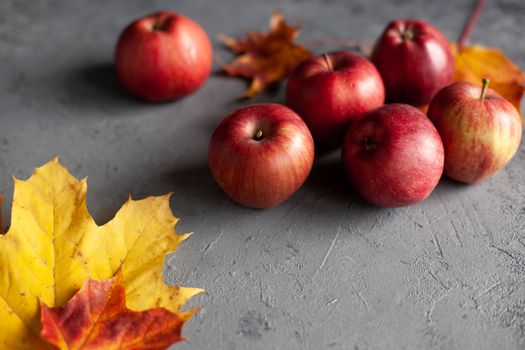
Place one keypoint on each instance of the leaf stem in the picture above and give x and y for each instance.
(484, 88)
(471, 22)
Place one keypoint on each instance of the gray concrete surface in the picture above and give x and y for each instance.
(322, 271)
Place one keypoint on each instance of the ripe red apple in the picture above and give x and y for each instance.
(329, 91)
(163, 56)
(261, 154)
(393, 156)
(480, 130)
(415, 61)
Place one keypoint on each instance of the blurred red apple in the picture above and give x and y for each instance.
(415, 61)
(329, 91)
(393, 156)
(163, 56)
(480, 130)
(261, 154)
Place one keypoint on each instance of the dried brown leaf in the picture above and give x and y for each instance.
(265, 58)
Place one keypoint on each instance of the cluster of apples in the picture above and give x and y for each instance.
(393, 154)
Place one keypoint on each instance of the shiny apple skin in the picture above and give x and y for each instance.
(263, 173)
(393, 156)
(163, 57)
(415, 61)
(480, 136)
(328, 93)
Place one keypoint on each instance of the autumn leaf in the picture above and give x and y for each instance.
(265, 58)
(97, 318)
(476, 62)
(53, 246)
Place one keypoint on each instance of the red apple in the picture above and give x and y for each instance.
(393, 156)
(415, 61)
(163, 56)
(329, 91)
(480, 130)
(261, 154)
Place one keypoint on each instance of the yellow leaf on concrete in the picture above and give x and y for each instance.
(476, 62)
(53, 246)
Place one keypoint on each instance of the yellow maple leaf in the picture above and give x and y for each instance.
(265, 58)
(473, 63)
(53, 246)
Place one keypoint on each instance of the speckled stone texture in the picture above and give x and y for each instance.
(322, 271)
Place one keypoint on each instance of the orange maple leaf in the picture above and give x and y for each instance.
(97, 318)
(473, 63)
(265, 58)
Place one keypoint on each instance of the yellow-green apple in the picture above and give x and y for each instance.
(393, 156)
(163, 56)
(330, 90)
(481, 131)
(261, 154)
(415, 61)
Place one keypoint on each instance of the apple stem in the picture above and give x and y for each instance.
(160, 23)
(158, 26)
(484, 88)
(471, 22)
(258, 135)
(407, 35)
(370, 145)
(328, 62)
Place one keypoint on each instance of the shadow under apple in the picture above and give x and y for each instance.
(197, 197)
(101, 81)
(95, 88)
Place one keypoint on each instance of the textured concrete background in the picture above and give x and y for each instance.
(322, 271)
